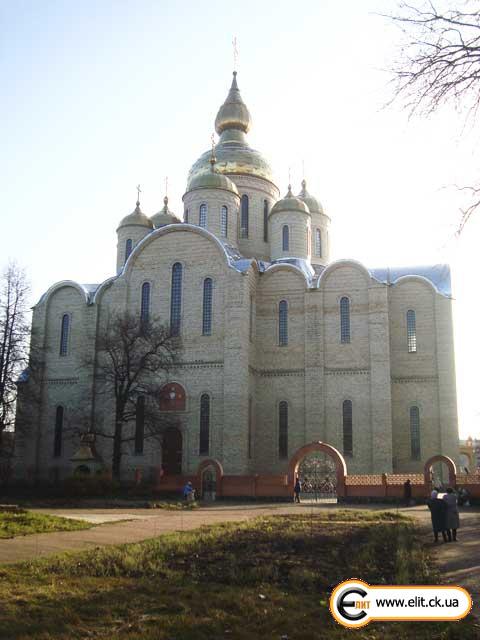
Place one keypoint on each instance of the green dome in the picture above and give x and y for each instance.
(212, 180)
(136, 219)
(234, 155)
(312, 203)
(165, 216)
(290, 203)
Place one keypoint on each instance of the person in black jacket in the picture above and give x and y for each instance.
(438, 512)
(297, 489)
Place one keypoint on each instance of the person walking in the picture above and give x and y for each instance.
(297, 489)
(438, 513)
(407, 492)
(188, 492)
(453, 517)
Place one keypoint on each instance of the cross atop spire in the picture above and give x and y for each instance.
(235, 54)
(213, 159)
(139, 191)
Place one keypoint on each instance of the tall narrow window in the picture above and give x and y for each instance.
(415, 432)
(57, 441)
(64, 334)
(244, 217)
(309, 241)
(285, 238)
(140, 425)
(250, 427)
(411, 331)
(202, 218)
(318, 243)
(128, 248)
(224, 222)
(204, 424)
(185, 217)
(344, 320)
(251, 331)
(176, 299)
(145, 304)
(265, 220)
(207, 307)
(347, 428)
(283, 323)
(283, 429)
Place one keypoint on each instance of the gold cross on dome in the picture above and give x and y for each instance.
(139, 191)
(235, 53)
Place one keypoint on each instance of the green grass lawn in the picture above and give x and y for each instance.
(263, 579)
(22, 523)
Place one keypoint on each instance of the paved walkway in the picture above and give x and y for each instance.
(458, 562)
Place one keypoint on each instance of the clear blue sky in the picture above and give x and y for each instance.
(100, 96)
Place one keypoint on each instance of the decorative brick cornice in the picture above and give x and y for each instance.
(62, 381)
(346, 372)
(406, 379)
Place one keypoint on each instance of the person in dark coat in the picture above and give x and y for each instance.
(452, 517)
(407, 492)
(438, 512)
(297, 489)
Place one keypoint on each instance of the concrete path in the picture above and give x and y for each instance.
(458, 562)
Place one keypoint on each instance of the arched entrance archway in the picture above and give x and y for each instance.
(210, 474)
(172, 451)
(339, 460)
(450, 464)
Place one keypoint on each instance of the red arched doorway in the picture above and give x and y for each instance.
(450, 464)
(339, 460)
(172, 451)
(210, 474)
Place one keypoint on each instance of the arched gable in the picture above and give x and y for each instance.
(82, 290)
(333, 266)
(175, 228)
(275, 268)
(415, 278)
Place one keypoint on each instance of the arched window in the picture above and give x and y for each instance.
(283, 323)
(202, 218)
(250, 427)
(176, 299)
(265, 220)
(64, 334)
(244, 217)
(128, 248)
(185, 217)
(57, 441)
(344, 320)
(204, 424)
(224, 222)
(283, 429)
(285, 238)
(145, 304)
(318, 243)
(411, 331)
(415, 432)
(207, 307)
(347, 428)
(172, 397)
(140, 425)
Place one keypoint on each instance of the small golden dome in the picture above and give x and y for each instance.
(233, 114)
(164, 216)
(212, 180)
(137, 218)
(312, 203)
(290, 203)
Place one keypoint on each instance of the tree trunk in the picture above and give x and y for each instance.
(117, 447)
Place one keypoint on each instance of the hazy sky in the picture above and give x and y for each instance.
(98, 96)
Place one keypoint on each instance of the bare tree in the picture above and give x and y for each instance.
(134, 360)
(440, 63)
(14, 333)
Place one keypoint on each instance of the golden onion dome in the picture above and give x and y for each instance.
(234, 155)
(312, 203)
(212, 179)
(136, 219)
(233, 114)
(290, 203)
(165, 216)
